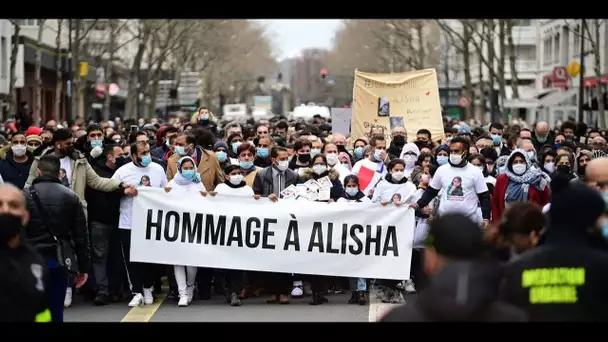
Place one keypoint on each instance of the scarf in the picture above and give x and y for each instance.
(180, 179)
(519, 184)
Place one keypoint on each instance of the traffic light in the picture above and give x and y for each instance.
(323, 73)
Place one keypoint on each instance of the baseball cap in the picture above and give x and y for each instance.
(455, 236)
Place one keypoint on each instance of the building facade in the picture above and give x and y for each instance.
(559, 43)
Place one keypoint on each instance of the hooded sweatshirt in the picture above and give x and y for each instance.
(409, 148)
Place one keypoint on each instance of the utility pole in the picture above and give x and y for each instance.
(70, 78)
(581, 88)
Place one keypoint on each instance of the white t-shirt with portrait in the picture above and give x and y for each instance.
(460, 187)
(65, 163)
(152, 175)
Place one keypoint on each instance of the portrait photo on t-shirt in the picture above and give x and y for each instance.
(145, 181)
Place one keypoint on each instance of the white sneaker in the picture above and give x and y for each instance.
(137, 300)
(67, 302)
(190, 291)
(183, 301)
(409, 286)
(148, 297)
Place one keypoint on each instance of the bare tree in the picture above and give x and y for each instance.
(37, 76)
(59, 72)
(113, 32)
(590, 32)
(80, 29)
(12, 92)
(510, 23)
(461, 42)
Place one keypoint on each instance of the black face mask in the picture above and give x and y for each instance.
(399, 140)
(66, 152)
(564, 169)
(304, 158)
(10, 226)
(581, 169)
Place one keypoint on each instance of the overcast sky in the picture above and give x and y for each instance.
(290, 36)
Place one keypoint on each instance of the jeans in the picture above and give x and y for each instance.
(184, 276)
(101, 234)
(357, 284)
(56, 294)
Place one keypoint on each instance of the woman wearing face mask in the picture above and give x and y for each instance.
(581, 166)
(234, 185)
(345, 160)
(358, 149)
(352, 194)
(221, 152)
(563, 166)
(521, 182)
(319, 169)
(246, 155)
(302, 156)
(409, 155)
(490, 155)
(331, 153)
(480, 162)
(442, 155)
(186, 182)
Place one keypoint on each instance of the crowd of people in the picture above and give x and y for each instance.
(494, 204)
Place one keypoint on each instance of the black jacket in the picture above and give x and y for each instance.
(337, 190)
(13, 172)
(66, 220)
(103, 207)
(24, 280)
(461, 292)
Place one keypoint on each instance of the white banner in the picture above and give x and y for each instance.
(290, 236)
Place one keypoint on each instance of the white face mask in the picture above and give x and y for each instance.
(19, 150)
(480, 168)
(332, 159)
(319, 169)
(550, 166)
(236, 179)
(456, 159)
(282, 165)
(397, 176)
(409, 160)
(519, 169)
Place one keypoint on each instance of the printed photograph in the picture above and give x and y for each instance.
(383, 107)
(396, 121)
(145, 181)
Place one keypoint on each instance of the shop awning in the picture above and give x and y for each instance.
(557, 97)
(532, 103)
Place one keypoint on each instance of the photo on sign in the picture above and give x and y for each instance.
(396, 121)
(383, 106)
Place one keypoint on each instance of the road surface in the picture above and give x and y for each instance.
(216, 310)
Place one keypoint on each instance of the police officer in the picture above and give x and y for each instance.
(23, 273)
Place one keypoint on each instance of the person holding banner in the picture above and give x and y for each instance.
(301, 159)
(186, 182)
(140, 275)
(371, 170)
(246, 154)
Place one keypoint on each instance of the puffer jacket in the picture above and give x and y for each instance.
(66, 219)
(83, 175)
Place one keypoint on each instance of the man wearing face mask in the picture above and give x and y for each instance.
(399, 138)
(542, 135)
(271, 181)
(301, 159)
(15, 167)
(24, 276)
(554, 283)
(103, 222)
(463, 187)
(371, 170)
(79, 172)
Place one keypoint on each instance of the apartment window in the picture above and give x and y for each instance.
(576, 40)
(547, 51)
(523, 22)
(3, 58)
(565, 46)
(526, 52)
(556, 49)
(28, 22)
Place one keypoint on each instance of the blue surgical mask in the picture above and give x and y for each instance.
(442, 160)
(352, 191)
(605, 195)
(314, 152)
(221, 156)
(496, 139)
(188, 174)
(246, 165)
(359, 152)
(146, 160)
(502, 170)
(262, 152)
(180, 150)
(541, 139)
(378, 155)
(557, 145)
(235, 146)
(204, 117)
(96, 143)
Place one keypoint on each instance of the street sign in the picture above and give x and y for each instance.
(464, 101)
(560, 77)
(574, 68)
